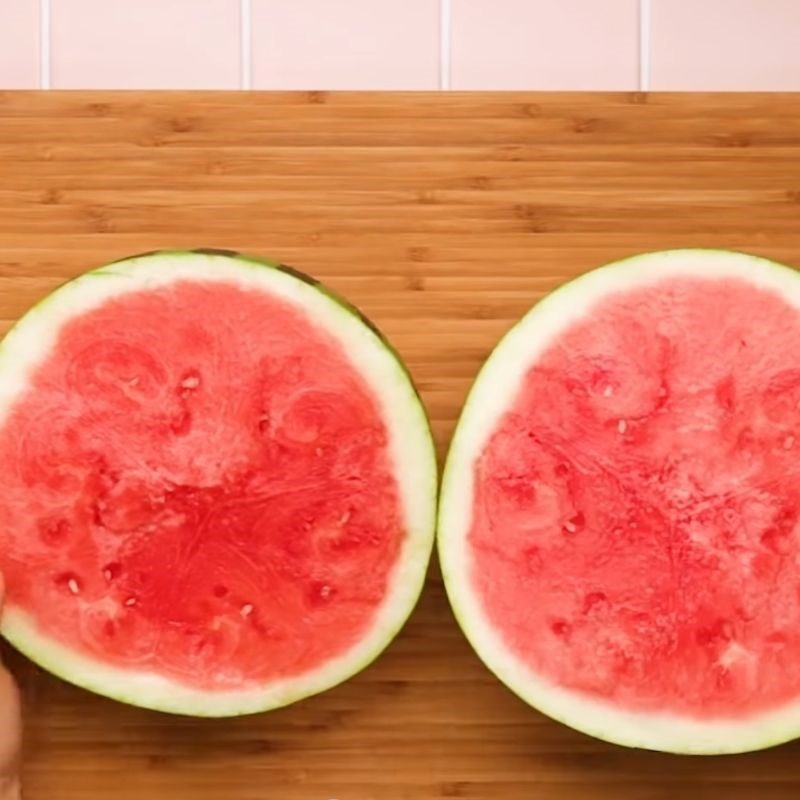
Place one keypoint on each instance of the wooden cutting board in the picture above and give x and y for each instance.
(444, 217)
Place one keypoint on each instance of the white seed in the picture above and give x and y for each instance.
(72, 585)
(246, 610)
(325, 592)
(133, 382)
(608, 391)
(192, 382)
(345, 518)
(622, 426)
(107, 574)
(788, 443)
(570, 526)
(131, 601)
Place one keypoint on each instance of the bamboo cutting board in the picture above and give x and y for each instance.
(444, 217)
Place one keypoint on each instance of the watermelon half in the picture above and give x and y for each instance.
(217, 481)
(619, 523)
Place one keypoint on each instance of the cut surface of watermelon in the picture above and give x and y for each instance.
(218, 485)
(620, 511)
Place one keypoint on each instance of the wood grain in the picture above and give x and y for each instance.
(444, 217)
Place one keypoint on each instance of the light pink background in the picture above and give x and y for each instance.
(401, 44)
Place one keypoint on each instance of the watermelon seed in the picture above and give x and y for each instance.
(320, 593)
(246, 610)
(622, 426)
(575, 523)
(69, 581)
(133, 382)
(131, 601)
(112, 570)
(344, 519)
(191, 382)
(788, 443)
(608, 391)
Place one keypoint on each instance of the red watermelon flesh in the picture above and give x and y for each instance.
(619, 522)
(636, 511)
(197, 484)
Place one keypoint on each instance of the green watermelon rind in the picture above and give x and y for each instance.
(160, 694)
(651, 731)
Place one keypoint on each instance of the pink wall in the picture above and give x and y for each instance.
(401, 44)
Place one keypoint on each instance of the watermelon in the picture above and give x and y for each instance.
(218, 485)
(619, 523)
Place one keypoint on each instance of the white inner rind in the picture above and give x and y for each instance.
(410, 446)
(491, 396)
